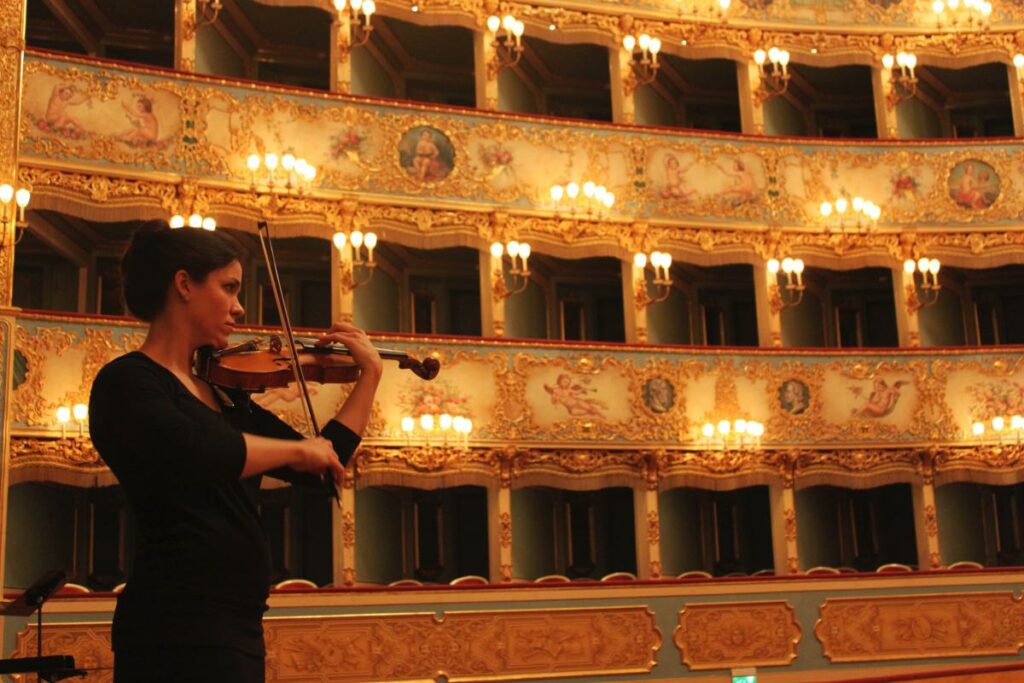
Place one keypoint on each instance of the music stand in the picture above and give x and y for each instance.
(53, 667)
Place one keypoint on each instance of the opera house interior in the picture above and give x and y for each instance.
(721, 293)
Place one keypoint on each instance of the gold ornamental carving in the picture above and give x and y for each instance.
(505, 534)
(462, 646)
(348, 529)
(790, 519)
(737, 634)
(927, 626)
(88, 643)
(653, 528)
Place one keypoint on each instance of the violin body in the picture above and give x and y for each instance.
(256, 366)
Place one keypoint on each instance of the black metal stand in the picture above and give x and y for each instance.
(50, 668)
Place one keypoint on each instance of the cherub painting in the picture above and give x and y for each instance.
(574, 397)
(144, 126)
(57, 118)
(882, 400)
(426, 154)
(676, 185)
(742, 186)
(973, 184)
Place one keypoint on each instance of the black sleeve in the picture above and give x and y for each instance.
(139, 427)
(343, 439)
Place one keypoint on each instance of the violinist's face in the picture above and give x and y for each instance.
(214, 305)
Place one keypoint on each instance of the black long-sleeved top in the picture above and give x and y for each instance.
(201, 574)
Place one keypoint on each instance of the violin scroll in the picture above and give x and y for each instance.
(425, 369)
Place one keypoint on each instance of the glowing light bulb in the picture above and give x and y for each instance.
(773, 266)
(640, 260)
(356, 238)
(408, 424)
(497, 249)
(177, 221)
(63, 414)
(81, 411)
(339, 239)
(427, 422)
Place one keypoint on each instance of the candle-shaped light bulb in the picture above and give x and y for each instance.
(493, 23)
(22, 197)
(640, 260)
(370, 240)
(798, 266)
(825, 209)
(445, 422)
(253, 162)
(288, 162)
(177, 221)
(773, 266)
(408, 424)
(644, 41)
(339, 239)
(724, 426)
(998, 423)
(63, 415)
(572, 190)
(6, 193)
(888, 61)
(508, 22)
(922, 265)
(978, 428)
(497, 249)
(427, 422)
(356, 238)
(933, 266)
(80, 411)
(629, 42)
(759, 57)
(195, 221)
(787, 265)
(270, 160)
(708, 430)
(513, 248)
(557, 191)
(209, 223)
(524, 252)
(841, 205)
(909, 266)
(369, 7)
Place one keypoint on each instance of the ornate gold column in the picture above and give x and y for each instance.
(343, 525)
(623, 85)
(748, 80)
(341, 53)
(769, 307)
(647, 523)
(185, 35)
(343, 287)
(485, 71)
(499, 526)
(926, 521)
(12, 48)
(885, 105)
(634, 307)
(783, 511)
(908, 324)
(1013, 77)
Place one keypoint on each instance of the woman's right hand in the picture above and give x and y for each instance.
(317, 456)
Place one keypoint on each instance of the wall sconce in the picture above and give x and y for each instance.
(207, 11)
(444, 424)
(508, 49)
(774, 81)
(359, 241)
(643, 52)
(904, 82)
(858, 214)
(285, 173)
(360, 11)
(739, 433)
(661, 262)
(13, 215)
(970, 14)
(595, 201)
(80, 412)
(518, 252)
(999, 428)
(791, 293)
(929, 285)
(195, 220)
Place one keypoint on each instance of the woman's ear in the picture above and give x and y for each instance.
(182, 285)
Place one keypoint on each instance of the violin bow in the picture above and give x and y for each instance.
(282, 312)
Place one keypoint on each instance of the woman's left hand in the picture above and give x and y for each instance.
(355, 340)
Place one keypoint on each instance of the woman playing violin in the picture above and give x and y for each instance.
(189, 458)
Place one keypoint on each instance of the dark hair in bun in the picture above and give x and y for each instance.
(157, 252)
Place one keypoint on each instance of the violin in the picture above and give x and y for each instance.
(256, 366)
